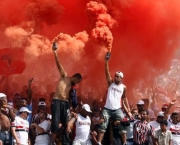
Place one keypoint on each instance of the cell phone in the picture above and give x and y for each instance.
(55, 45)
(108, 54)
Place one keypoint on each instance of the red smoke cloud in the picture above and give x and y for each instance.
(101, 23)
(143, 36)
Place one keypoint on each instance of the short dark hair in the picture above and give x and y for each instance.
(147, 112)
(164, 122)
(174, 113)
(133, 110)
(77, 75)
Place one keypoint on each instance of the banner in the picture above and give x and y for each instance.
(11, 61)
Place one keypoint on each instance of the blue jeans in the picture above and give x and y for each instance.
(130, 141)
(6, 137)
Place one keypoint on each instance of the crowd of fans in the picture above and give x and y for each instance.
(142, 127)
(109, 121)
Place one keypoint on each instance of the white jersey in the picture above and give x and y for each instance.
(155, 125)
(43, 139)
(114, 95)
(82, 129)
(175, 130)
(22, 129)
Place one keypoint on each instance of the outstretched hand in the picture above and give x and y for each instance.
(172, 102)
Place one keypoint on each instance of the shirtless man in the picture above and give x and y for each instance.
(116, 93)
(60, 104)
(6, 114)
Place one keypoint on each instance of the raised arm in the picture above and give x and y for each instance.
(29, 91)
(168, 108)
(59, 66)
(108, 76)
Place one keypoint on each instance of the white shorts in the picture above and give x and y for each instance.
(77, 142)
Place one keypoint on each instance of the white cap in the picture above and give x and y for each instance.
(42, 103)
(24, 109)
(120, 74)
(2, 95)
(86, 107)
(140, 102)
(161, 114)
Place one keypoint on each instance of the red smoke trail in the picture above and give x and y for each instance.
(101, 23)
(145, 38)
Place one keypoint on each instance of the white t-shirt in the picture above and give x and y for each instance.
(155, 125)
(22, 129)
(82, 128)
(114, 95)
(175, 130)
(43, 139)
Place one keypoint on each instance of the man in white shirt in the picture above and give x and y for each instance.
(42, 129)
(41, 107)
(20, 127)
(83, 124)
(174, 127)
(156, 123)
(115, 94)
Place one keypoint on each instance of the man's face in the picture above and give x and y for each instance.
(41, 114)
(140, 107)
(143, 115)
(159, 119)
(96, 114)
(135, 112)
(76, 80)
(23, 103)
(18, 102)
(3, 101)
(163, 127)
(42, 107)
(175, 119)
(117, 78)
(84, 113)
(25, 114)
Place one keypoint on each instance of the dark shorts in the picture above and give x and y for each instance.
(60, 112)
(146, 143)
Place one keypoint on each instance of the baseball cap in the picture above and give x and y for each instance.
(24, 109)
(160, 114)
(2, 95)
(42, 103)
(140, 102)
(86, 107)
(120, 74)
(165, 105)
